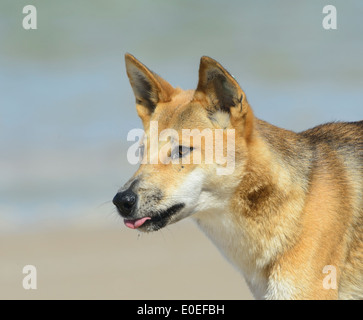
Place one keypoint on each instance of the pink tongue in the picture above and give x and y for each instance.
(134, 224)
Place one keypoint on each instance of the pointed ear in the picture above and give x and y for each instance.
(220, 87)
(149, 88)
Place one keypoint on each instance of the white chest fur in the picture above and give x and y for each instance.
(233, 244)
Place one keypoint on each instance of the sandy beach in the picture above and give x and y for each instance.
(112, 262)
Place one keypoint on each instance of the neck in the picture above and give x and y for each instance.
(261, 216)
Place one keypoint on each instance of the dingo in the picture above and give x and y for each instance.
(292, 206)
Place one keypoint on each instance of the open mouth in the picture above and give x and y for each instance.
(155, 221)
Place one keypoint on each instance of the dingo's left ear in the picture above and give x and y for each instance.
(222, 91)
(149, 88)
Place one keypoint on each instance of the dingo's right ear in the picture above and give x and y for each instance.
(224, 94)
(148, 87)
(220, 86)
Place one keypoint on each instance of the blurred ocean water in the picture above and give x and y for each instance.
(66, 105)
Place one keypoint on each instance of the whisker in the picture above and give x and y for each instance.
(104, 203)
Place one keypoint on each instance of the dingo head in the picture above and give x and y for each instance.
(194, 149)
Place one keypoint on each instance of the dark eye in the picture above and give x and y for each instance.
(180, 152)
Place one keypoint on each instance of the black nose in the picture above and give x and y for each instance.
(125, 202)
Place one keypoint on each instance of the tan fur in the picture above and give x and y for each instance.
(293, 205)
